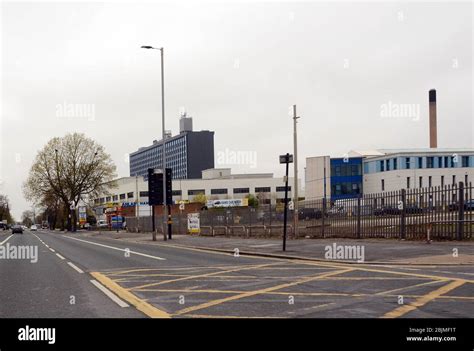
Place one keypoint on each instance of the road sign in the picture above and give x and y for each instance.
(286, 158)
(194, 226)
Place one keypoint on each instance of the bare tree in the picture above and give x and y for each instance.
(69, 169)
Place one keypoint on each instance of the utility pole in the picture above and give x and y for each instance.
(137, 204)
(163, 151)
(163, 148)
(295, 190)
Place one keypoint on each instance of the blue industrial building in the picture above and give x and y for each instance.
(346, 177)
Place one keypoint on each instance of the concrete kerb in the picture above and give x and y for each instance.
(298, 258)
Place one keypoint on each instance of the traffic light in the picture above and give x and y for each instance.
(169, 186)
(155, 187)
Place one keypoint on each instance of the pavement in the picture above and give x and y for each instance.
(136, 278)
(390, 251)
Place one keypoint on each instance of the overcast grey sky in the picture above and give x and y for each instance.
(236, 69)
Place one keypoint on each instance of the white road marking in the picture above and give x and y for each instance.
(117, 248)
(75, 267)
(4, 241)
(61, 257)
(52, 250)
(107, 292)
(264, 245)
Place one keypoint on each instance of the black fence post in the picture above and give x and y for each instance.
(358, 216)
(403, 215)
(323, 219)
(461, 211)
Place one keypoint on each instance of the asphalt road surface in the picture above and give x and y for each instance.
(80, 276)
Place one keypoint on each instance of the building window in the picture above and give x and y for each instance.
(115, 198)
(429, 162)
(383, 185)
(196, 192)
(395, 164)
(262, 189)
(122, 196)
(420, 162)
(130, 195)
(429, 181)
(241, 190)
(176, 193)
(408, 182)
(440, 162)
(388, 165)
(465, 161)
(337, 171)
(453, 161)
(420, 182)
(446, 161)
(382, 163)
(282, 188)
(107, 199)
(442, 180)
(355, 188)
(218, 191)
(144, 193)
(407, 162)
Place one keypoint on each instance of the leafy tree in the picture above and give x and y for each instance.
(66, 170)
(5, 209)
(253, 201)
(201, 198)
(27, 218)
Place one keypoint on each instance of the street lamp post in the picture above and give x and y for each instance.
(286, 159)
(295, 190)
(163, 148)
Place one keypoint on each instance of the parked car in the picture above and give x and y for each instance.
(413, 209)
(4, 226)
(309, 213)
(24, 227)
(16, 228)
(387, 210)
(102, 223)
(33, 228)
(468, 206)
(336, 210)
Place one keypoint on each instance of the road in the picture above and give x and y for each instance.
(114, 278)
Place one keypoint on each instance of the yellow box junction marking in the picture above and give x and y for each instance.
(140, 304)
(400, 311)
